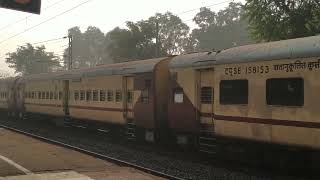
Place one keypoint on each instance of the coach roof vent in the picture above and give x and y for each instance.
(193, 60)
(285, 49)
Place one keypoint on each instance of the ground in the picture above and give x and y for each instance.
(22, 157)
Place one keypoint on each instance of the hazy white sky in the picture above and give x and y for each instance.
(105, 14)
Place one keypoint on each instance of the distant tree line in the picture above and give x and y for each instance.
(220, 30)
(237, 24)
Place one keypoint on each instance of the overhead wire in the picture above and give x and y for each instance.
(190, 10)
(79, 6)
(187, 11)
(45, 21)
(49, 40)
(22, 19)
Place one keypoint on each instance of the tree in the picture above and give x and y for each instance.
(88, 48)
(271, 20)
(32, 60)
(4, 74)
(138, 40)
(220, 30)
(173, 33)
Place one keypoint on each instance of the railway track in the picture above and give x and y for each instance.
(91, 153)
(151, 159)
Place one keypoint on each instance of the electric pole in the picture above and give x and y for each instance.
(70, 52)
(157, 39)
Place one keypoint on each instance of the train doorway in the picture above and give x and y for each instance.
(206, 108)
(128, 107)
(65, 97)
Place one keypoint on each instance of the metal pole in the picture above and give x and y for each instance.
(157, 40)
(70, 52)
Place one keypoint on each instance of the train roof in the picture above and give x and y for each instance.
(285, 49)
(6, 81)
(193, 60)
(132, 67)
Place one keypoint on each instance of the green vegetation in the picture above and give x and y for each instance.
(271, 20)
(236, 25)
(32, 60)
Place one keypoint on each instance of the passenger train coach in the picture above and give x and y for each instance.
(266, 92)
(262, 93)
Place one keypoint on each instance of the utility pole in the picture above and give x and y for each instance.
(157, 39)
(70, 52)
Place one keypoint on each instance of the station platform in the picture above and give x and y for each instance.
(25, 158)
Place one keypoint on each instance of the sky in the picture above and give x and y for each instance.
(57, 16)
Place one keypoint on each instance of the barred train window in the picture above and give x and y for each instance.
(178, 95)
(32, 95)
(118, 96)
(234, 92)
(110, 95)
(145, 96)
(39, 95)
(102, 95)
(206, 95)
(60, 95)
(76, 95)
(55, 95)
(51, 95)
(285, 91)
(43, 95)
(89, 95)
(95, 95)
(82, 95)
(47, 95)
(130, 96)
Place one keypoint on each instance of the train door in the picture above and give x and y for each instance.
(128, 107)
(65, 97)
(128, 100)
(206, 109)
(20, 100)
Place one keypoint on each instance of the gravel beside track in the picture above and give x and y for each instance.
(150, 157)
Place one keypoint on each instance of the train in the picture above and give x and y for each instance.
(265, 93)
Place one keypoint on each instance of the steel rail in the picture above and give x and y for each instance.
(94, 154)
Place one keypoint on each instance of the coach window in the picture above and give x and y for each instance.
(32, 94)
(47, 95)
(95, 95)
(51, 95)
(76, 95)
(82, 95)
(110, 95)
(89, 95)
(178, 95)
(145, 96)
(233, 92)
(39, 95)
(118, 96)
(206, 95)
(102, 95)
(43, 95)
(60, 95)
(130, 96)
(285, 91)
(55, 95)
